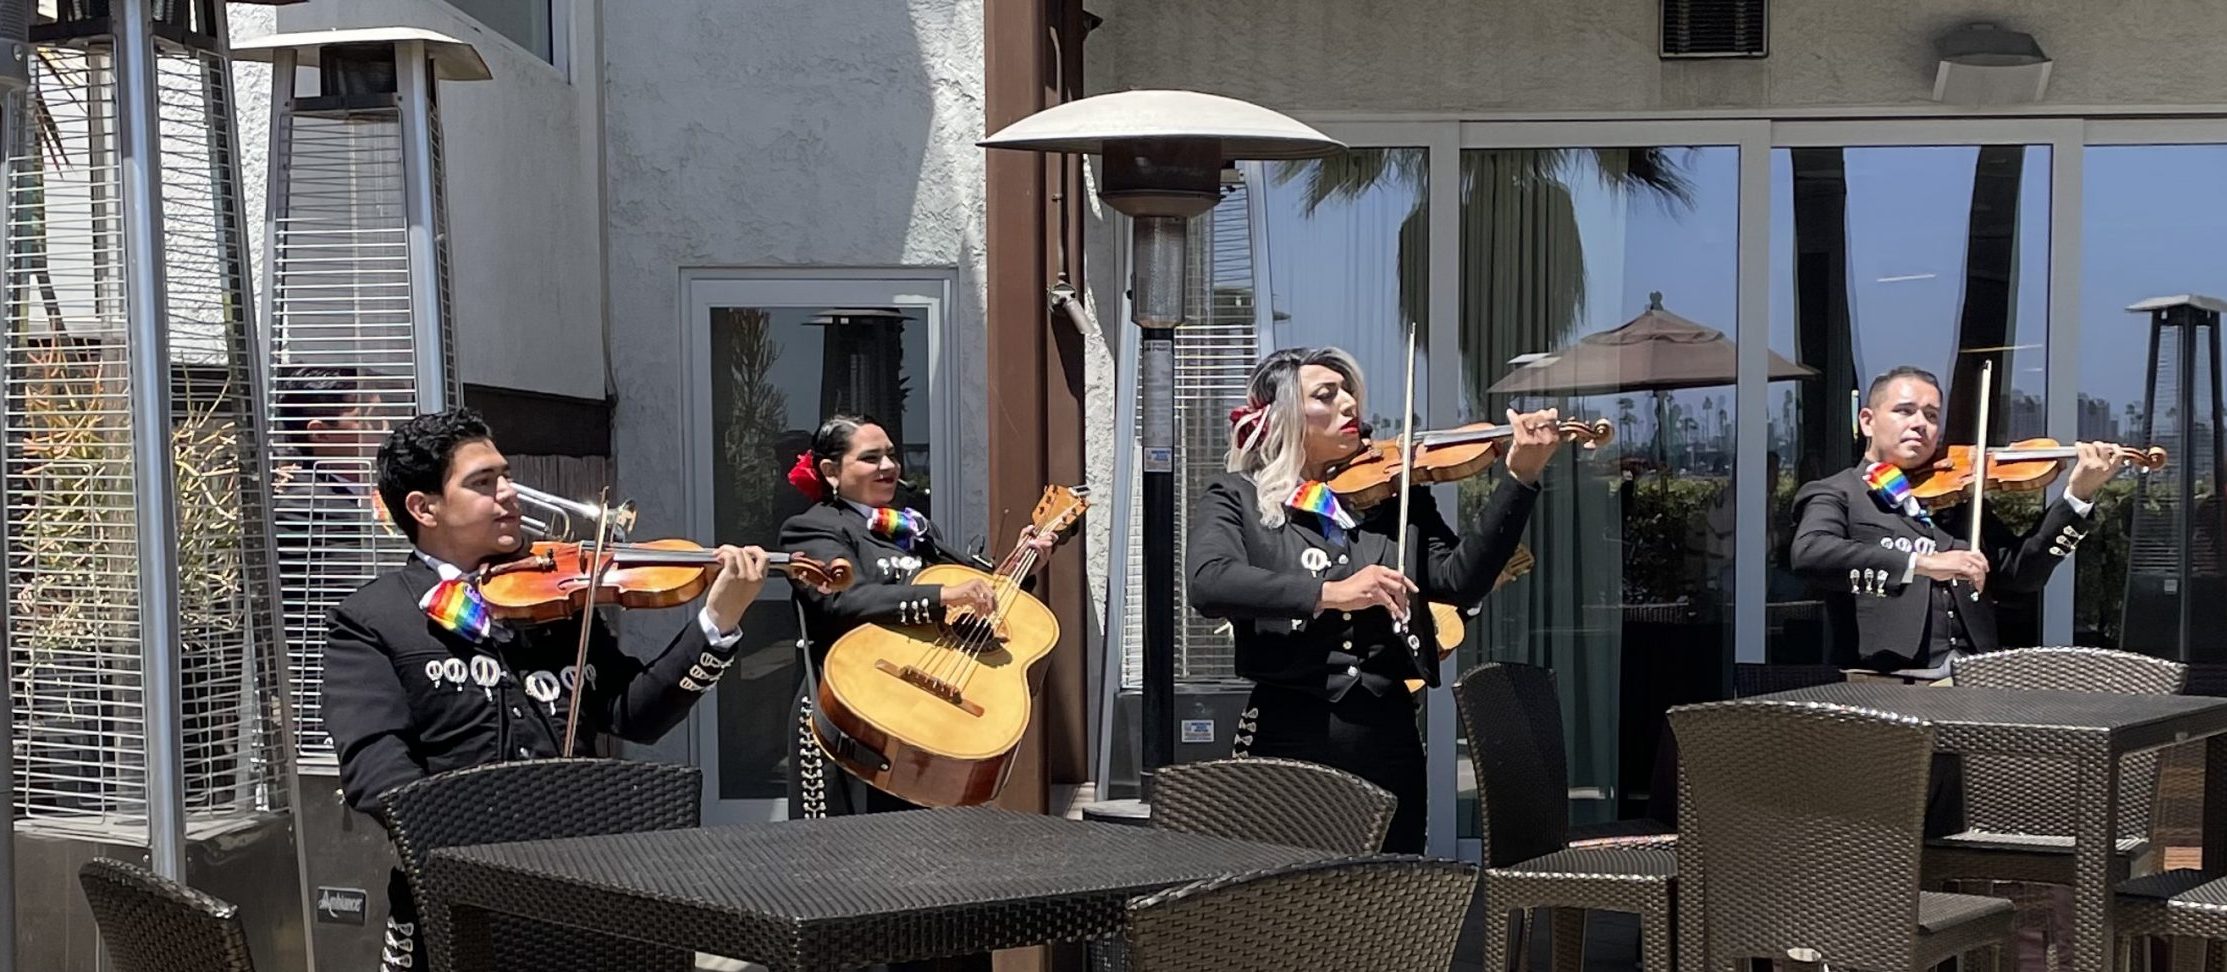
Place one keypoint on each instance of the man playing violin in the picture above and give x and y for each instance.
(419, 678)
(1917, 595)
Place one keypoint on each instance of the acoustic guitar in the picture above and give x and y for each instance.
(945, 705)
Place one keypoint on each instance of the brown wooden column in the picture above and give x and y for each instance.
(1035, 370)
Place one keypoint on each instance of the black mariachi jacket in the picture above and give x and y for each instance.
(1854, 549)
(405, 697)
(1267, 582)
(882, 590)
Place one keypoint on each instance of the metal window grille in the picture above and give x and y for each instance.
(74, 654)
(1215, 351)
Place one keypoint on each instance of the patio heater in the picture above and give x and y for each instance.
(862, 365)
(1163, 153)
(2174, 558)
(143, 657)
(356, 308)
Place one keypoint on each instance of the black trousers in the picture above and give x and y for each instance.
(819, 787)
(1369, 735)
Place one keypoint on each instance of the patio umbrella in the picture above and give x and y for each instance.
(1657, 351)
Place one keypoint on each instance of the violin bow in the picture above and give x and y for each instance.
(587, 621)
(1979, 460)
(1407, 447)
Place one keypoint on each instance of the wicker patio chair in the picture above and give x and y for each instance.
(539, 800)
(1382, 913)
(1513, 721)
(2174, 904)
(1274, 801)
(2020, 814)
(1800, 831)
(151, 924)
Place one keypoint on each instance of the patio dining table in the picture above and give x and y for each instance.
(838, 893)
(2093, 731)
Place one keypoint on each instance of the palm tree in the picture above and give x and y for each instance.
(1524, 279)
(1990, 267)
(756, 411)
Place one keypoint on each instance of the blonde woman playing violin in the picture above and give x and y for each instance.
(1317, 599)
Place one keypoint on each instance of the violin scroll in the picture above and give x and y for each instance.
(2151, 459)
(827, 578)
(1588, 435)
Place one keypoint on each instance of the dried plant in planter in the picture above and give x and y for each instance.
(72, 552)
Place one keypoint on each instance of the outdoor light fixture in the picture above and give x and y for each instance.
(1982, 64)
(1163, 154)
(355, 280)
(144, 665)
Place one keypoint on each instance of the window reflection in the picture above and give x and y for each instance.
(776, 372)
(1933, 256)
(2152, 216)
(1603, 282)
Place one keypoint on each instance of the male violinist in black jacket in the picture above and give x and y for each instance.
(1916, 594)
(418, 679)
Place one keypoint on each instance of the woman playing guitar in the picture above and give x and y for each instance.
(851, 474)
(1317, 596)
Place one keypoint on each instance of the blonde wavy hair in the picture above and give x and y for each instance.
(1268, 436)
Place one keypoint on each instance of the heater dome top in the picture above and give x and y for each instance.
(1243, 129)
(453, 60)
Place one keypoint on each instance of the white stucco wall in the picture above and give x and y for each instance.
(797, 133)
(1600, 55)
(524, 224)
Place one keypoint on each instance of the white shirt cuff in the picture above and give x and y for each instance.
(1910, 571)
(2080, 507)
(711, 632)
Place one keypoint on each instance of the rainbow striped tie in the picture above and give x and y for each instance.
(456, 605)
(899, 526)
(1887, 480)
(1316, 498)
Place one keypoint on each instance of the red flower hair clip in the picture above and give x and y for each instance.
(805, 476)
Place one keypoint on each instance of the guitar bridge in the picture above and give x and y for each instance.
(931, 685)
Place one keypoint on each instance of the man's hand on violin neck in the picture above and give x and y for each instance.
(742, 573)
(1534, 437)
(2097, 464)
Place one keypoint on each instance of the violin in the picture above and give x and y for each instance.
(1372, 474)
(2024, 466)
(558, 580)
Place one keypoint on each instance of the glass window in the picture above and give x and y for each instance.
(1604, 282)
(2152, 217)
(1933, 256)
(528, 23)
(1348, 246)
(775, 372)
